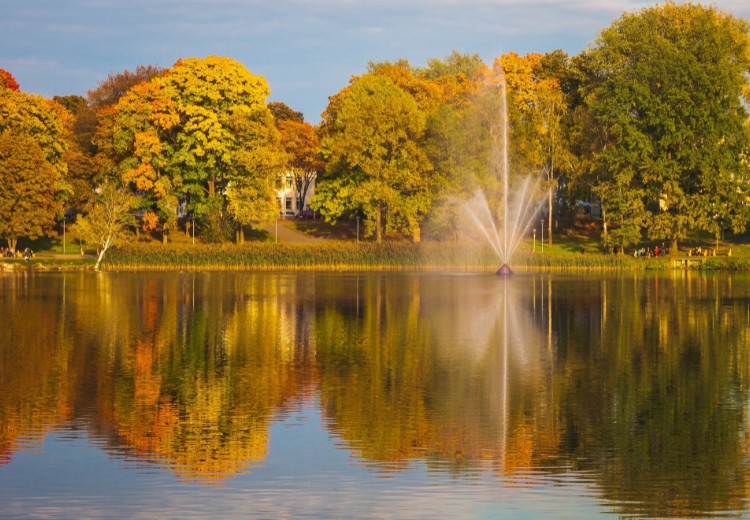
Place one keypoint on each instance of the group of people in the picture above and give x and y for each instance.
(7, 252)
(648, 252)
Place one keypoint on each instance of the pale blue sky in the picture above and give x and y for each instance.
(306, 49)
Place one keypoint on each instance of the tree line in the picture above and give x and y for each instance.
(650, 122)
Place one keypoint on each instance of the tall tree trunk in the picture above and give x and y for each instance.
(12, 243)
(673, 248)
(379, 224)
(99, 260)
(416, 236)
(100, 254)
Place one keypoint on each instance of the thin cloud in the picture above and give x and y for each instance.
(306, 49)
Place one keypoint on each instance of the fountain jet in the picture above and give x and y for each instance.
(519, 209)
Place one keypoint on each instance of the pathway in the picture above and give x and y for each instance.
(286, 233)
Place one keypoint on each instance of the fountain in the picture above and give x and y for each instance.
(518, 210)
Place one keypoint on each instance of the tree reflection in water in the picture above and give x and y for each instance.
(637, 383)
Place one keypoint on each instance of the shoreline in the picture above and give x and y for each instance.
(358, 258)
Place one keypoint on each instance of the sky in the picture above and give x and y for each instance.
(306, 49)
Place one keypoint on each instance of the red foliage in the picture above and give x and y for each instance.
(8, 81)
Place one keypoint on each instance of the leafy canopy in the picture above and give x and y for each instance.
(667, 88)
(28, 185)
(375, 162)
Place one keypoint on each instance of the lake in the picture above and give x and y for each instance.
(374, 395)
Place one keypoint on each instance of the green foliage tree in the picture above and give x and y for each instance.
(456, 63)
(28, 186)
(252, 182)
(667, 88)
(375, 162)
(457, 136)
(107, 220)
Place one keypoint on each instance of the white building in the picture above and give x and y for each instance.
(288, 197)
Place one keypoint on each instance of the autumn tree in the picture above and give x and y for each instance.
(86, 168)
(667, 88)
(106, 94)
(299, 140)
(537, 111)
(301, 144)
(7, 81)
(131, 137)
(28, 185)
(72, 102)
(34, 147)
(427, 93)
(456, 64)
(107, 219)
(458, 76)
(210, 96)
(283, 112)
(184, 136)
(109, 91)
(83, 168)
(444, 91)
(39, 118)
(375, 162)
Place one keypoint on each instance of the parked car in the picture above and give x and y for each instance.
(308, 214)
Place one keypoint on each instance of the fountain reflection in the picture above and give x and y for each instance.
(452, 374)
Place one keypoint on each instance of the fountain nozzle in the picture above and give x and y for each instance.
(504, 271)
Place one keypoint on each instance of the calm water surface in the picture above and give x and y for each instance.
(346, 395)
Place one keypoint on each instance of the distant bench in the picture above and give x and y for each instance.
(710, 251)
(698, 255)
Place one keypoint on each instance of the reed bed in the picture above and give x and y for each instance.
(354, 256)
(724, 264)
(333, 255)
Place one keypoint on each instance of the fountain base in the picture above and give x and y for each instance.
(504, 271)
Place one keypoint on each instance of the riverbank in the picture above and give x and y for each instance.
(49, 263)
